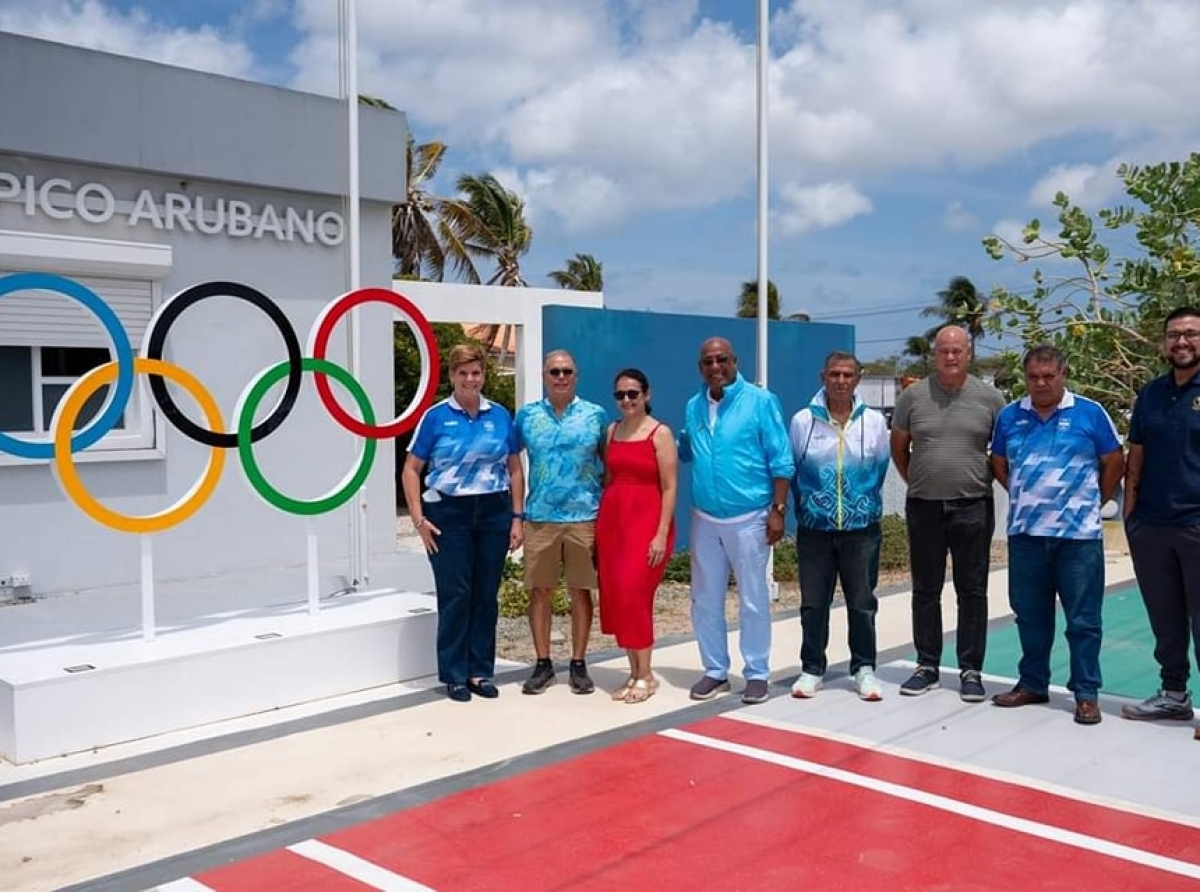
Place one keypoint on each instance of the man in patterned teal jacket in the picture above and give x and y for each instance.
(841, 448)
(562, 436)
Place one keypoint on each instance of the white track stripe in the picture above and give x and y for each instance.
(187, 884)
(953, 806)
(356, 868)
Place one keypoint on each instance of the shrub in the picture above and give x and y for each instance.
(514, 597)
(893, 554)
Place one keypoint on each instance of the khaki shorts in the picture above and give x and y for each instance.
(550, 547)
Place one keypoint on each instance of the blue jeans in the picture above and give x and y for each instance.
(1039, 567)
(823, 558)
(467, 568)
(715, 549)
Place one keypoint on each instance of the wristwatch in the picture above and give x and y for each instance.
(780, 508)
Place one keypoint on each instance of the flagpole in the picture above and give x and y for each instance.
(764, 59)
(763, 277)
(359, 572)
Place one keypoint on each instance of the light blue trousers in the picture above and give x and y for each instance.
(715, 549)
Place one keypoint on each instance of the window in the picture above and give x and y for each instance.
(48, 341)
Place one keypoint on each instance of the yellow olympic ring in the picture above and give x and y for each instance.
(68, 475)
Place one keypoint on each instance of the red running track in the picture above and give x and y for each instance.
(784, 811)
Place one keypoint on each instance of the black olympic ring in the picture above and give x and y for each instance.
(156, 339)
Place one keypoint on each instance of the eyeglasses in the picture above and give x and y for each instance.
(715, 360)
(1189, 335)
(560, 373)
(620, 395)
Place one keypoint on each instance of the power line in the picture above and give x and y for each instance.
(872, 311)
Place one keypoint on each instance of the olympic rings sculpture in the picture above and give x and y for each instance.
(124, 369)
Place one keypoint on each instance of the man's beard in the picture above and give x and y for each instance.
(1189, 364)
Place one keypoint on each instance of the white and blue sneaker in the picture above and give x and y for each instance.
(867, 684)
(807, 686)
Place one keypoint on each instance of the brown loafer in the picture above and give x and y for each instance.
(1087, 712)
(1019, 696)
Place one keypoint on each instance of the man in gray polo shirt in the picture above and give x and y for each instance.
(941, 428)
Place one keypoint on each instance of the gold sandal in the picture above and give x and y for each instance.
(641, 690)
(622, 693)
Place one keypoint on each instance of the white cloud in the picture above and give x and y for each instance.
(93, 24)
(1085, 184)
(957, 218)
(643, 106)
(612, 109)
(819, 207)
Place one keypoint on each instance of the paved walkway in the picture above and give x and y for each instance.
(144, 813)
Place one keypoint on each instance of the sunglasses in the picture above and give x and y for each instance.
(715, 360)
(560, 373)
(619, 395)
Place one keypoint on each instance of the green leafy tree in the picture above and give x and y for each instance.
(1105, 311)
(747, 306)
(582, 273)
(961, 303)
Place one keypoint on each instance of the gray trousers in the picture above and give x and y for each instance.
(1166, 561)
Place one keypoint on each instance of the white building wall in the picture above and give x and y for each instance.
(224, 342)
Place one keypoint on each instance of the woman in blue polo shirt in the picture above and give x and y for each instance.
(469, 517)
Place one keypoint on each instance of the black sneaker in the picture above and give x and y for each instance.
(925, 679)
(580, 681)
(708, 687)
(971, 687)
(543, 677)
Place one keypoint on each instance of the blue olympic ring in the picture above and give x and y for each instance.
(102, 424)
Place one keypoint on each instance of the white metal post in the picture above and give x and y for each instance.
(359, 571)
(763, 229)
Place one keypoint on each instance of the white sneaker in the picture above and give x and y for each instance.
(807, 685)
(867, 684)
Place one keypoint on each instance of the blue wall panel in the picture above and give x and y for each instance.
(666, 347)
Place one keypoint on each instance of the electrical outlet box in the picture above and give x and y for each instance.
(21, 580)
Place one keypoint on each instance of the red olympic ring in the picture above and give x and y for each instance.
(318, 344)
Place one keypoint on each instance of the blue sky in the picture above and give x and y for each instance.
(902, 131)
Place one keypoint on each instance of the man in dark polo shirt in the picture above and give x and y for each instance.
(1162, 513)
(941, 429)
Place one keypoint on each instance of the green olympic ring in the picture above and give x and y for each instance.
(253, 395)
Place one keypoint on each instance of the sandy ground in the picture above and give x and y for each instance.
(672, 610)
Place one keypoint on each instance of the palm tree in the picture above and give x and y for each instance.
(748, 300)
(488, 222)
(421, 242)
(961, 303)
(920, 348)
(583, 273)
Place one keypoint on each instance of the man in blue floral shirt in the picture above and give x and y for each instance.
(563, 438)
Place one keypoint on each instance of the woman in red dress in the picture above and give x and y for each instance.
(635, 530)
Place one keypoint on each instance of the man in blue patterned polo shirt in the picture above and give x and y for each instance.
(563, 437)
(1059, 457)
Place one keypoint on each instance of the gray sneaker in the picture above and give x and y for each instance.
(1161, 706)
(708, 687)
(756, 691)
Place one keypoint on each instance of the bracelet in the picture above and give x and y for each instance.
(518, 515)
(417, 524)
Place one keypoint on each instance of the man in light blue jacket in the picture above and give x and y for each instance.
(736, 442)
